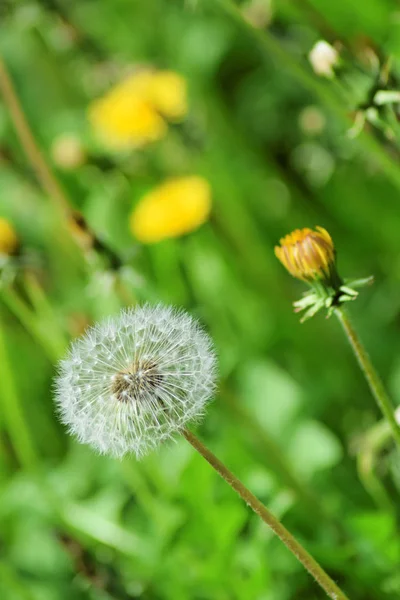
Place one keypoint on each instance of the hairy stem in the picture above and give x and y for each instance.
(308, 562)
(372, 377)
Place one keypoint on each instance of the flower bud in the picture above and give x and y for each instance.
(67, 151)
(323, 58)
(308, 255)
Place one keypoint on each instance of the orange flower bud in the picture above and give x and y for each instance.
(308, 255)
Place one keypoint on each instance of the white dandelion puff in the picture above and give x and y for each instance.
(134, 380)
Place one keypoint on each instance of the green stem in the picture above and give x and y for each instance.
(31, 148)
(13, 413)
(45, 314)
(308, 562)
(372, 377)
(44, 173)
(52, 347)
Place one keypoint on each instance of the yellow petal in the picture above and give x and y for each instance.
(132, 113)
(174, 208)
(168, 94)
(124, 118)
(307, 254)
(8, 237)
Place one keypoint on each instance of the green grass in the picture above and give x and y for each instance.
(293, 416)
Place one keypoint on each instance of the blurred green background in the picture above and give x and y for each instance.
(293, 417)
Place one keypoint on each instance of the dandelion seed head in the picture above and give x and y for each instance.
(132, 381)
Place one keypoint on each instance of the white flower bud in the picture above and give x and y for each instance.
(134, 380)
(323, 57)
(67, 151)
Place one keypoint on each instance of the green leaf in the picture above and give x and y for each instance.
(314, 448)
(271, 395)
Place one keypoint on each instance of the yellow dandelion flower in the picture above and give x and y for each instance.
(8, 238)
(308, 255)
(311, 256)
(174, 208)
(134, 112)
(123, 122)
(168, 94)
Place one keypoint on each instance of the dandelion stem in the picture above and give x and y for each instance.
(371, 375)
(308, 562)
(43, 172)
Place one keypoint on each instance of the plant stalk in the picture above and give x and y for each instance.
(308, 562)
(13, 413)
(371, 375)
(43, 172)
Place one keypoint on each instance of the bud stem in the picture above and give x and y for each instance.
(308, 562)
(372, 377)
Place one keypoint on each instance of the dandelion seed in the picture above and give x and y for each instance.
(135, 380)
